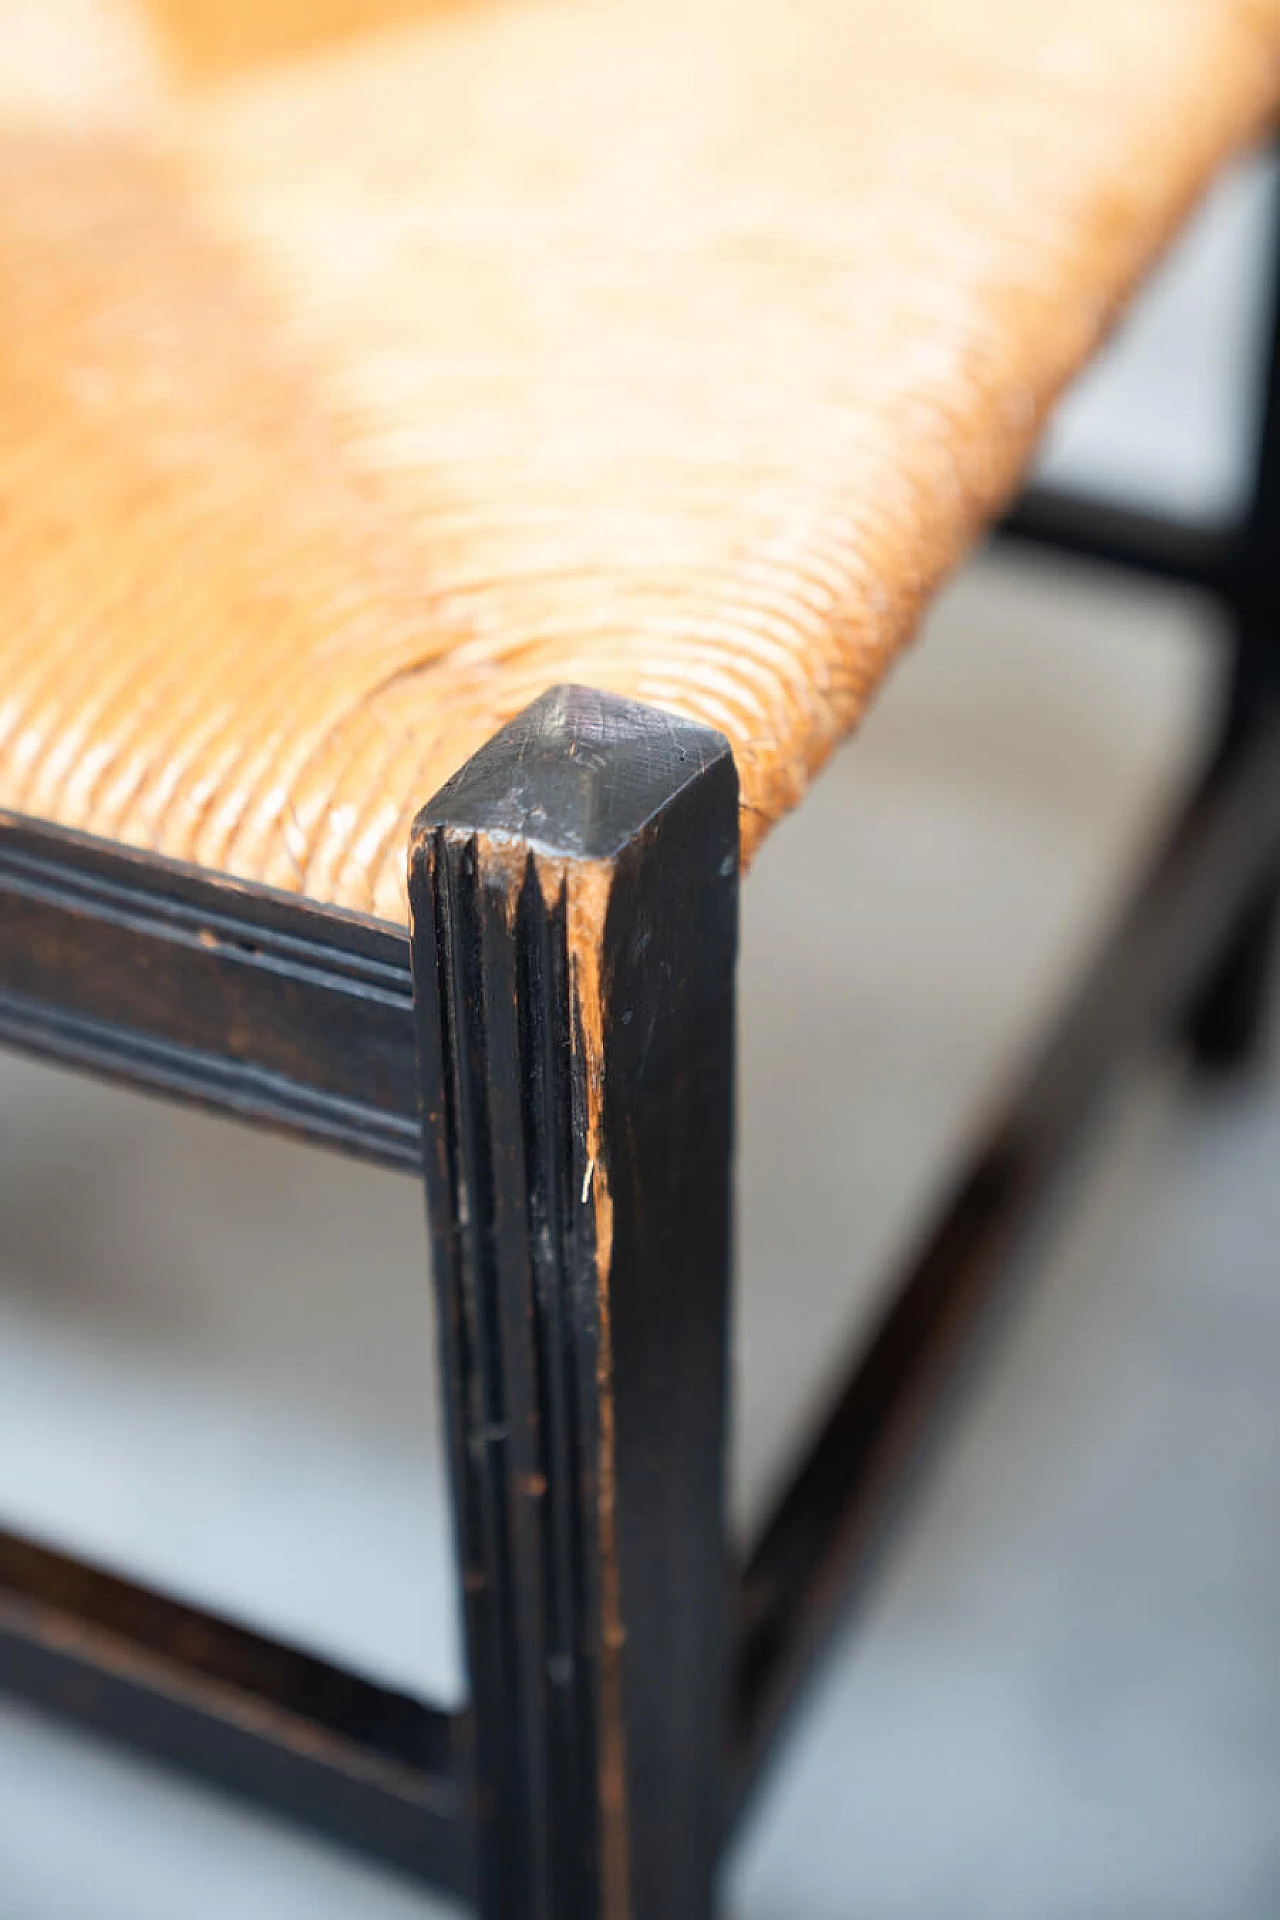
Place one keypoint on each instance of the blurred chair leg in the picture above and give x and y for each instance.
(573, 896)
(1226, 1027)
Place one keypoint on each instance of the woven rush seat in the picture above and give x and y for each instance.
(365, 370)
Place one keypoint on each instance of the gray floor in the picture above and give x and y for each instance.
(1064, 1695)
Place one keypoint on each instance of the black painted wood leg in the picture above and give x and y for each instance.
(1227, 1023)
(573, 895)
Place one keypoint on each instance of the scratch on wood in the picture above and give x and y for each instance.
(587, 886)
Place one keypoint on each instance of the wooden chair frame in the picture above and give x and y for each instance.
(553, 1044)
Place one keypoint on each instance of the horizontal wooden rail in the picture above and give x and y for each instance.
(242, 999)
(361, 1763)
(1099, 530)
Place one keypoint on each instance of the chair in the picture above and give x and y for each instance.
(566, 411)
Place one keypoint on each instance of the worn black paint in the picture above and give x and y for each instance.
(281, 1012)
(651, 803)
(237, 997)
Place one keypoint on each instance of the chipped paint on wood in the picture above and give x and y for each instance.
(587, 889)
(579, 1237)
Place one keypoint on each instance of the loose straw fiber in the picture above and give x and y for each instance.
(366, 369)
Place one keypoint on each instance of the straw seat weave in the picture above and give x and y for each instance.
(367, 368)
